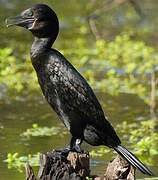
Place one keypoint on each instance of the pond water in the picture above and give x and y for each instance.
(18, 111)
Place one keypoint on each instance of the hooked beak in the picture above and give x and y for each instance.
(21, 21)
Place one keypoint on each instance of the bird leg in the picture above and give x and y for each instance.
(75, 145)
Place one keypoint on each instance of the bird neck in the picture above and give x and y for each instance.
(40, 45)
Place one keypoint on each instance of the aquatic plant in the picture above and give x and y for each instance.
(42, 131)
(16, 161)
(120, 66)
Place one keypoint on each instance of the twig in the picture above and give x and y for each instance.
(94, 28)
(153, 95)
(106, 7)
(137, 8)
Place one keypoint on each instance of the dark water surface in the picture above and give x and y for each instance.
(17, 113)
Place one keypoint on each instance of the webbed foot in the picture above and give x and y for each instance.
(64, 150)
(74, 146)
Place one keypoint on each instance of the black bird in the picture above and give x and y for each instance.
(66, 90)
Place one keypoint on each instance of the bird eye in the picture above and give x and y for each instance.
(30, 13)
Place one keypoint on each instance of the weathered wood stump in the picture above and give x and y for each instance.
(119, 169)
(75, 166)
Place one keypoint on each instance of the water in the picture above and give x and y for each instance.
(18, 112)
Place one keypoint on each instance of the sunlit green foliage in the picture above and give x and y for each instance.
(15, 73)
(129, 65)
(88, 178)
(124, 65)
(43, 131)
(16, 161)
(143, 138)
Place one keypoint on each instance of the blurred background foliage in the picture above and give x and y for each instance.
(113, 43)
(120, 62)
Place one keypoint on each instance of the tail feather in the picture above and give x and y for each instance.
(133, 160)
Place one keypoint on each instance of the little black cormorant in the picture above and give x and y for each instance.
(66, 90)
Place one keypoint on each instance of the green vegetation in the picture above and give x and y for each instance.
(15, 73)
(15, 161)
(88, 178)
(143, 139)
(122, 66)
(43, 131)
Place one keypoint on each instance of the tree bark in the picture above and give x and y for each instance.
(119, 169)
(75, 166)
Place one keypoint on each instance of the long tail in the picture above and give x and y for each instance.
(133, 160)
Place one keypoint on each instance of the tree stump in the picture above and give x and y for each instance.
(75, 166)
(119, 169)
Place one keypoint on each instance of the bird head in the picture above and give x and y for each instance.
(40, 19)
